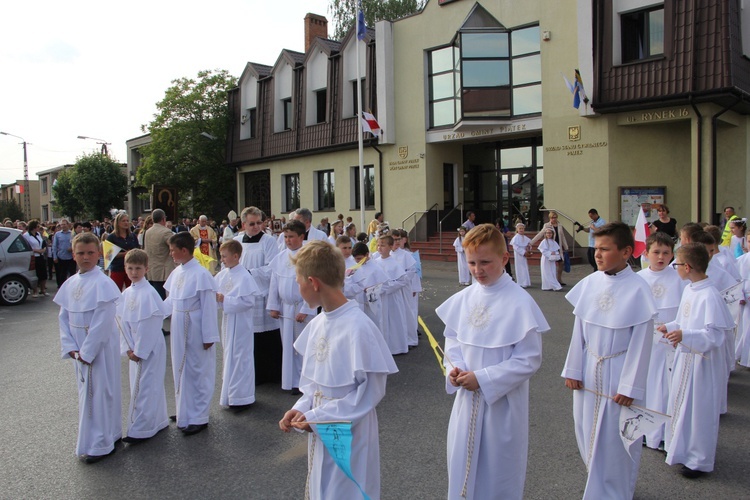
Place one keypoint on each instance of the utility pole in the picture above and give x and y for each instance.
(26, 195)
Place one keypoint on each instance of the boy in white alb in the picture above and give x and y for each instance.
(236, 293)
(140, 315)
(609, 357)
(286, 303)
(363, 283)
(464, 276)
(346, 364)
(89, 337)
(666, 288)
(520, 243)
(192, 300)
(697, 333)
(344, 244)
(394, 315)
(411, 292)
(493, 346)
(742, 349)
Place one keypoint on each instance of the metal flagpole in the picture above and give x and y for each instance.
(359, 124)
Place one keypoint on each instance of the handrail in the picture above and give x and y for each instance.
(566, 216)
(440, 222)
(414, 214)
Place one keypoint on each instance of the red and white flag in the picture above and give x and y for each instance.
(370, 124)
(19, 189)
(641, 233)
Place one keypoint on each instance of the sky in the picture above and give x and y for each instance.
(97, 68)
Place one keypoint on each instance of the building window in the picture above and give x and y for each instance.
(325, 192)
(249, 121)
(45, 213)
(354, 96)
(494, 74)
(287, 105)
(44, 187)
(369, 188)
(445, 86)
(320, 103)
(642, 34)
(291, 192)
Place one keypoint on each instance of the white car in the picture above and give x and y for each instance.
(17, 274)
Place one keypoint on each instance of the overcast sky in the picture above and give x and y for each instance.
(97, 68)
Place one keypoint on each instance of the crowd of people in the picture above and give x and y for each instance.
(341, 304)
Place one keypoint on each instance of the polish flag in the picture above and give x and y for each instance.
(370, 124)
(641, 233)
(19, 189)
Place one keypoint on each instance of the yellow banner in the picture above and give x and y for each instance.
(204, 260)
(433, 343)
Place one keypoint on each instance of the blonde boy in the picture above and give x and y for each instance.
(344, 370)
(609, 356)
(89, 337)
(697, 333)
(493, 345)
(140, 314)
(236, 293)
(192, 301)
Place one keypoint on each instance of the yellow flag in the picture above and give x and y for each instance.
(110, 251)
(204, 260)
(433, 343)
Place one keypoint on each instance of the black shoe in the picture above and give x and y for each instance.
(563, 284)
(132, 440)
(295, 391)
(689, 473)
(92, 459)
(173, 418)
(165, 332)
(193, 429)
(412, 347)
(239, 408)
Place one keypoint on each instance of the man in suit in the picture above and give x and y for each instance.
(156, 245)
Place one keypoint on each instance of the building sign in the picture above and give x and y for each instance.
(403, 164)
(632, 198)
(575, 149)
(654, 116)
(165, 197)
(490, 131)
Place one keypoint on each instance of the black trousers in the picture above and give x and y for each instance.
(159, 287)
(592, 261)
(64, 268)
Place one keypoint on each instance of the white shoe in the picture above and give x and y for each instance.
(34, 296)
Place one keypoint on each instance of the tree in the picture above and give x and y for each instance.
(94, 185)
(343, 12)
(188, 144)
(11, 209)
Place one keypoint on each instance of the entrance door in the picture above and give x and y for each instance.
(258, 190)
(449, 186)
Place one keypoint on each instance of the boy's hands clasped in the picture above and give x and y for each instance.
(465, 379)
(294, 419)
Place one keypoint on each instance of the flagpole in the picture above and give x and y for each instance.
(359, 129)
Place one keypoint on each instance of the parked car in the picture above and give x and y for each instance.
(17, 270)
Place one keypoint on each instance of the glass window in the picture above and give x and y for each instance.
(515, 157)
(441, 60)
(291, 192)
(320, 103)
(326, 194)
(441, 86)
(484, 45)
(253, 113)
(642, 34)
(287, 113)
(525, 41)
(444, 86)
(527, 100)
(369, 187)
(485, 73)
(442, 113)
(527, 69)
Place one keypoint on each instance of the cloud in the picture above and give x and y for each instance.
(53, 52)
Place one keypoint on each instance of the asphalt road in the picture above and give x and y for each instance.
(246, 456)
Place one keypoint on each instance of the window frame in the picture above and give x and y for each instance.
(637, 23)
(369, 170)
(325, 183)
(286, 105)
(290, 186)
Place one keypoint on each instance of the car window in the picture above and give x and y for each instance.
(19, 245)
(3, 235)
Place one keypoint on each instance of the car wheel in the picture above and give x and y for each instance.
(13, 291)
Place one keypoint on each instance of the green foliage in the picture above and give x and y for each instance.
(94, 185)
(12, 210)
(188, 148)
(343, 12)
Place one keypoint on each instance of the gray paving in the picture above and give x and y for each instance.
(246, 456)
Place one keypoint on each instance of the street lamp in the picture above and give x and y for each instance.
(26, 199)
(103, 142)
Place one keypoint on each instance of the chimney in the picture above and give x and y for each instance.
(315, 25)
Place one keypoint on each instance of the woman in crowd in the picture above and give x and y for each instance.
(39, 248)
(124, 238)
(664, 223)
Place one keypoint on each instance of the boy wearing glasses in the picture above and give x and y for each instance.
(698, 333)
(666, 288)
(607, 364)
